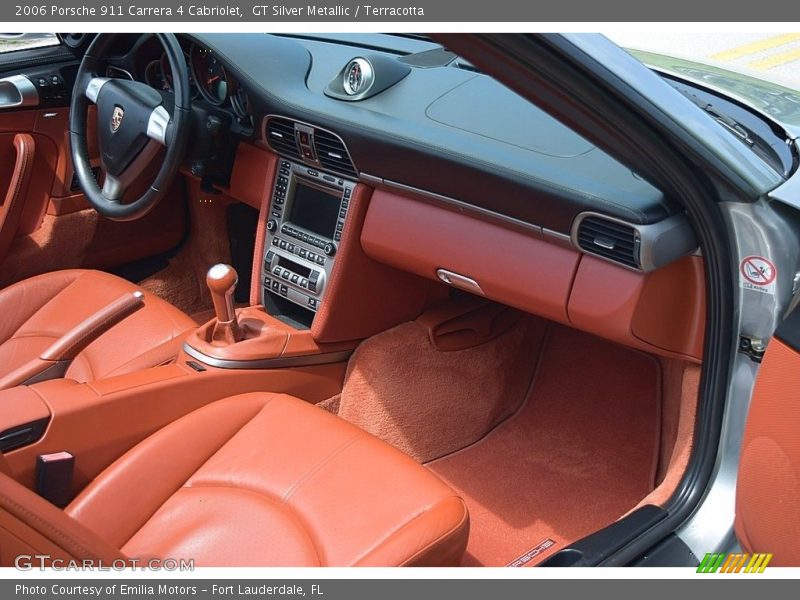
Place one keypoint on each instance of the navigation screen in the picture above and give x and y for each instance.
(314, 210)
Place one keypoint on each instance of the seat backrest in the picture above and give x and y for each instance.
(31, 527)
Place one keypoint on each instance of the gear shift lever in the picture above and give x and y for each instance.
(221, 281)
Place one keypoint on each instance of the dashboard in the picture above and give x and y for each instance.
(429, 122)
(364, 153)
(409, 117)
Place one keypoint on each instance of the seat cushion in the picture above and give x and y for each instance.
(269, 480)
(38, 311)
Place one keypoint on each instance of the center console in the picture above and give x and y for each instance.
(304, 226)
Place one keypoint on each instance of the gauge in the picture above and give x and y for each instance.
(358, 77)
(210, 75)
(154, 76)
(167, 71)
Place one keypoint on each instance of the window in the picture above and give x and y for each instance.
(11, 42)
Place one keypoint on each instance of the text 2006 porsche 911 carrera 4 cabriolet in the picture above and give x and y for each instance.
(309, 300)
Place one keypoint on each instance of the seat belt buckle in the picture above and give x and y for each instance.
(54, 477)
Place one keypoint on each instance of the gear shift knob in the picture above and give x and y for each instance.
(221, 281)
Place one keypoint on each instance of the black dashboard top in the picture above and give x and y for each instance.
(445, 129)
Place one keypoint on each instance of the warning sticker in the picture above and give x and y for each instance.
(758, 274)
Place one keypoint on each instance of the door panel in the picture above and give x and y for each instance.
(768, 488)
(19, 180)
(57, 229)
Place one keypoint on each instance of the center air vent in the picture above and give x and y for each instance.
(315, 147)
(281, 136)
(332, 153)
(610, 239)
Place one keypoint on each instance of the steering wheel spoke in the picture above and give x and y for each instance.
(93, 86)
(157, 125)
(113, 188)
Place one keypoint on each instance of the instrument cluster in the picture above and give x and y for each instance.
(209, 81)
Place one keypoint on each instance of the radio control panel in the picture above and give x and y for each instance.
(306, 220)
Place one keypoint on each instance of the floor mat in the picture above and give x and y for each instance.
(579, 454)
(429, 403)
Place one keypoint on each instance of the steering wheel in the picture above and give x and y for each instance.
(133, 123)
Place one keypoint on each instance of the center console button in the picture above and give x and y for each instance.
(272, 225)
(330, 248)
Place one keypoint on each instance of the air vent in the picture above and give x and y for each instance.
(610, 239)
(280, 135)
(332, 153)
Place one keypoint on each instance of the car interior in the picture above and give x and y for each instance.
(326, 300)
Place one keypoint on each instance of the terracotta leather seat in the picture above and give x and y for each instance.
(257, 479)
(38, 311)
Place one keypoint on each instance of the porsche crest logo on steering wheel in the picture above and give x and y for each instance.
(116, 118)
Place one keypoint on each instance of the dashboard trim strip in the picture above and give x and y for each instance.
(460, 205)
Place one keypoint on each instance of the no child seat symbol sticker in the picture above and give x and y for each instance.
(757, 274)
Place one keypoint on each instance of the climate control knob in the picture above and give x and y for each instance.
(330, 249)
(272, 225)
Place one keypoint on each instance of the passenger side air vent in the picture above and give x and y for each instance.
(281, 136)
(332, 153)
(613, 240)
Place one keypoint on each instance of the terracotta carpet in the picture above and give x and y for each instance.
(580, 452)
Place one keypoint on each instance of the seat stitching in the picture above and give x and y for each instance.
(48, 527)
(316, 468)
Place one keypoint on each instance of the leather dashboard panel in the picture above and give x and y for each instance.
(662, 312)
(513, 268)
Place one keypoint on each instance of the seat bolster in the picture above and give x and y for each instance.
(436, 538)
(31, 525)
(21, 301)
(127, 494)
(38, 311)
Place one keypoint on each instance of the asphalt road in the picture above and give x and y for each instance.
(774, 55)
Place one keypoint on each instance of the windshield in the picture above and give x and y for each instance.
(771, 56)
